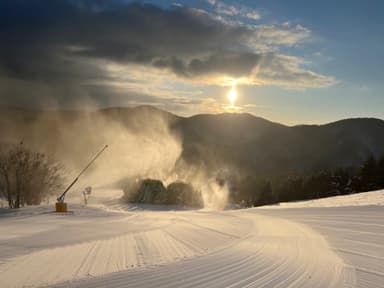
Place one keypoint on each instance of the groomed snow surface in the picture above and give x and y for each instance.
(333, 242)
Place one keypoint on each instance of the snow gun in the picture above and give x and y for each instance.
(61, 206)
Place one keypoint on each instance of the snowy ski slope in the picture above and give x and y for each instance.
(100, 246)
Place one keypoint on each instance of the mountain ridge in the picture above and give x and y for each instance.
(156, 109)
(237, 140)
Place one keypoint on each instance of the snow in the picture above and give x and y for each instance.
(109, 244)
(358, 199)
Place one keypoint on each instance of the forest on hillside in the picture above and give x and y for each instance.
(254, 190)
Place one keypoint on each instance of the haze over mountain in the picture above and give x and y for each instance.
(265, 146)
(239, 142)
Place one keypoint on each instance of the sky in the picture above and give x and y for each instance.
(293, 62)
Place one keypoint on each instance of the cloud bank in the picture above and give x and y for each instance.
(61, 50)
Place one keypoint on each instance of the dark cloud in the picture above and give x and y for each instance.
(230, 64)
(65, 44)
(43, 38)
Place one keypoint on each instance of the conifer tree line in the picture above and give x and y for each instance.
(256, 191)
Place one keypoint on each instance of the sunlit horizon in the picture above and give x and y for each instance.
(286, 65)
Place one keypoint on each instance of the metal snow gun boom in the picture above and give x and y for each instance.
(61, 206)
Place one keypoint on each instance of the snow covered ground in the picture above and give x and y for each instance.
(112, 245)
(358, 199)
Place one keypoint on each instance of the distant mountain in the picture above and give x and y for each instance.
(255, 144)
(242, 141)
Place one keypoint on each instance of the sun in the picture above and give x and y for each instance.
(232, 95)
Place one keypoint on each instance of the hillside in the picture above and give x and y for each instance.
(240, 141)
(252, 143)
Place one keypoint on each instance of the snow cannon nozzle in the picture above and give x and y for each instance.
(61, 206)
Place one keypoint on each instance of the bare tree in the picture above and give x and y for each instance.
(27, 177)
(5, 171)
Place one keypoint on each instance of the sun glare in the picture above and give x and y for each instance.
(232, 95)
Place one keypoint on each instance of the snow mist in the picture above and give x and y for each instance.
(148, 149)
(141, 145)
